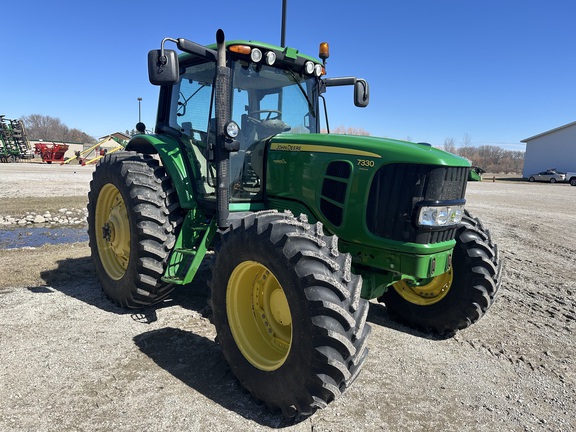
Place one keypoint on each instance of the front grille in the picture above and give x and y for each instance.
(397, 188)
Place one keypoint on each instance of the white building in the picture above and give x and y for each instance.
(555, 148)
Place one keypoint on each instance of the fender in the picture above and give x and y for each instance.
(173, 158)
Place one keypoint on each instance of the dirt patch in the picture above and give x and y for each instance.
(73, 361)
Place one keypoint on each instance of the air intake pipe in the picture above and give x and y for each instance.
(222, 155)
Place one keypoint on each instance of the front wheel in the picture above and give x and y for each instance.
(573, 181)
(133, 219)
(459, 297)
(288, 312)
(531, 179)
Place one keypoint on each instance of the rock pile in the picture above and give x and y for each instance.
(63, 217)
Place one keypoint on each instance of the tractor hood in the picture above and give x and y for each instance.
(366, 190)
(379, 150)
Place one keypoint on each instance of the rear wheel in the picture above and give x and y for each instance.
(459, 297)
(288, 312)
(133, 219)
(552, 180)
(573, 181)
(531, 179)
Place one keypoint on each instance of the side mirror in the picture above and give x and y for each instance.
(163, 67)
(361, 93)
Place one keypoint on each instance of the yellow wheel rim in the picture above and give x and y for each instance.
(259, 315)
(112, 231)
(426, 294)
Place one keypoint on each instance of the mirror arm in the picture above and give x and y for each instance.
(342, 81)
(194, 48)
(162, 60)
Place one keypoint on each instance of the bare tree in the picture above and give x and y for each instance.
(470, 153)
(350, 131)
(449, 145)
(52, 129)
(512, 161)
(493, 159)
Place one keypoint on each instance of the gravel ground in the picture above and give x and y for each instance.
(71, 361)
(37, 180)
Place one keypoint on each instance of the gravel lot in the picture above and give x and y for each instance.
(71, 361)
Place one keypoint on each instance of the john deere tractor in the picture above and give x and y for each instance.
(302, 227)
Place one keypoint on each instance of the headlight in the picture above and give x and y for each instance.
(270, 58)
(256, 55)
(232, 129)
(440, 216)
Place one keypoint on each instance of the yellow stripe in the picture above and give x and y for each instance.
(321, 149)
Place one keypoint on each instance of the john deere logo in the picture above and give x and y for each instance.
(286, 147)
(322, 149)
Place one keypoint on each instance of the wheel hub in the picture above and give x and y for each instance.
(428, 293)
(114, 243)
(259, 315)
(107, 232)
(279, 307)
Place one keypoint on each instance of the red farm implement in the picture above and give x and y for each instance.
(51, 152)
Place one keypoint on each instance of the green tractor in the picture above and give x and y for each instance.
(303, 227)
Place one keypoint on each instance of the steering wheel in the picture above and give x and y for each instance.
(270, 112)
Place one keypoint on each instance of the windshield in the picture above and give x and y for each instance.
(260, 94)
(266, 101)
(263, 93)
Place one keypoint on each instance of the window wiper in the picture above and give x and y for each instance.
(185, 103)
(296, 81)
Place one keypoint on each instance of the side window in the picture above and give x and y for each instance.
(193, 107)
(192, 101)
(190, 113)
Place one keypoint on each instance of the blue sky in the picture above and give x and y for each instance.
(497, 71)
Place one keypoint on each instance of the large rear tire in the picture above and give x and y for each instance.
(288, 312)
(133, 219)
(458, 298)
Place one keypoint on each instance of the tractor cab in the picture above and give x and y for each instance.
(266, 100)
(272, 91)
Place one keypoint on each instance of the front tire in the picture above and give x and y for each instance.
(531, 179)
(133, 219)
(573, 181)
(288, 312)
(458, 298)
